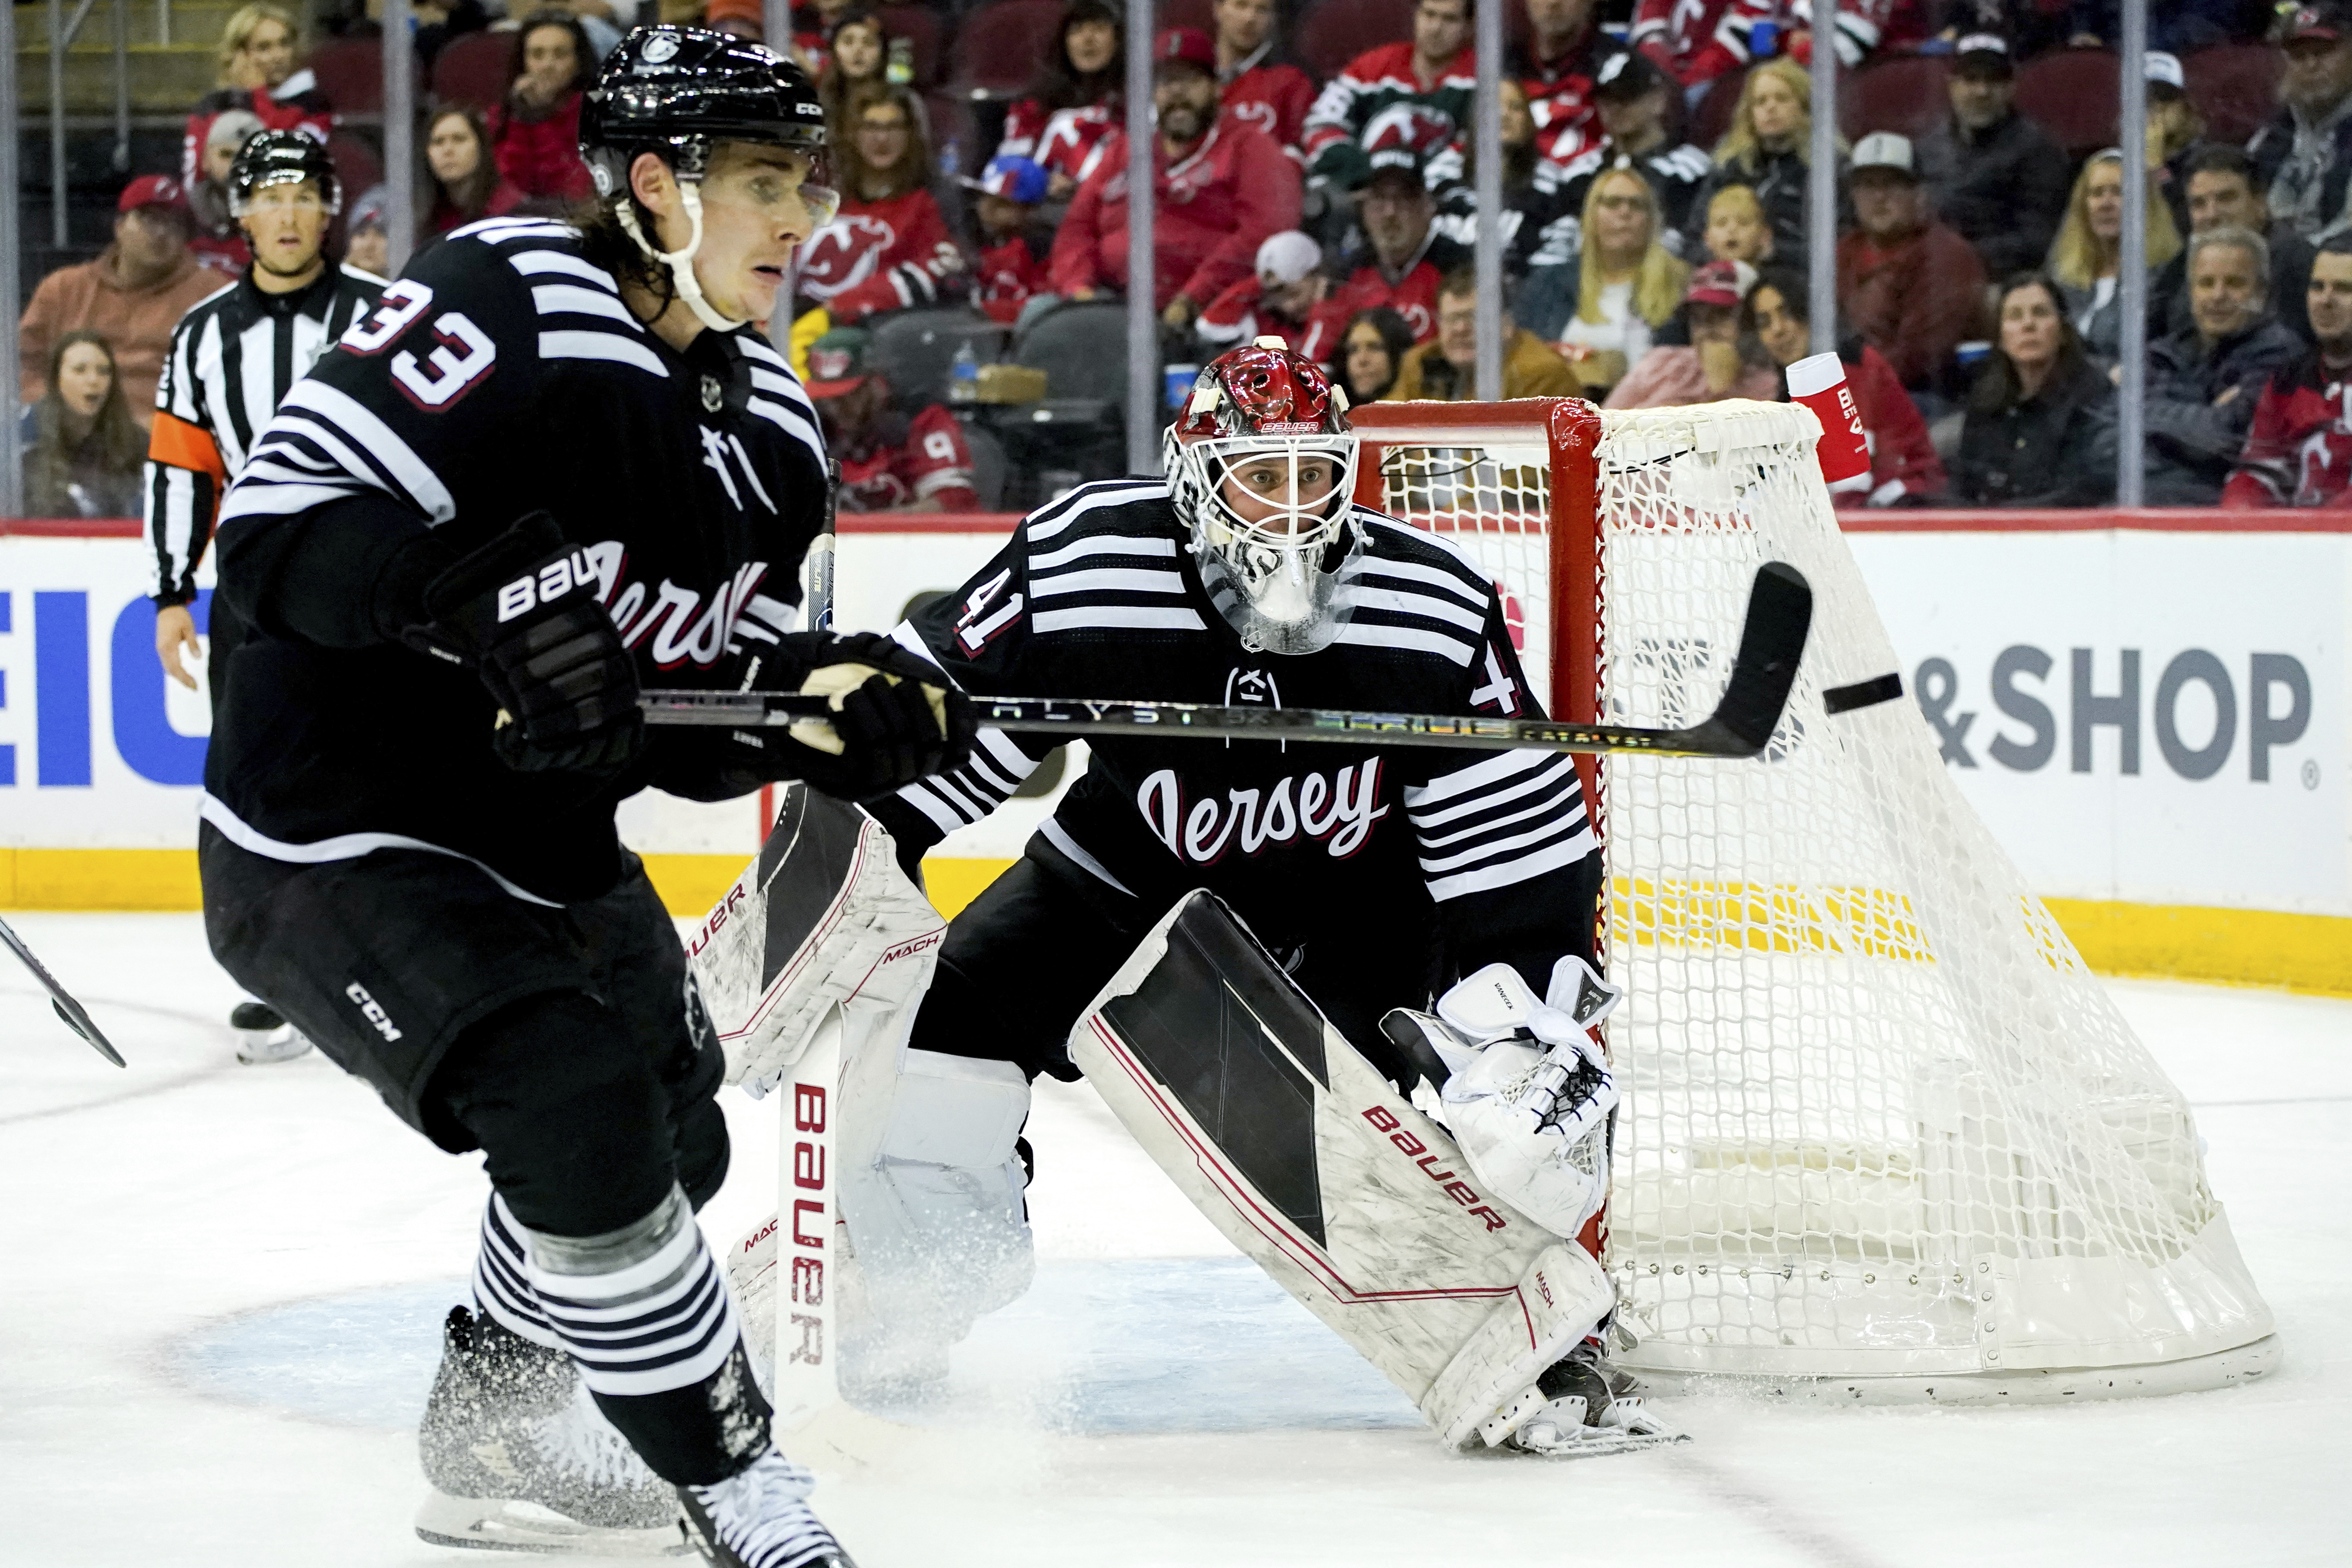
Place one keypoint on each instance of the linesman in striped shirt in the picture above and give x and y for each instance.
(234, 357)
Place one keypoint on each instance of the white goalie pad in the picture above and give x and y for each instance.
(1299, 1150)
(822, 916)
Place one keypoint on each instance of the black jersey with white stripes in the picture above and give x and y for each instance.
(234, 357)
(501, 374)
(1478, 856)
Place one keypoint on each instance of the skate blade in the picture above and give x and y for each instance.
(495, 1524)
(259, 1047)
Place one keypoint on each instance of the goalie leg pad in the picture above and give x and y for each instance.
(1484, 1391)
(938, 1231)
(1299, 1150)
(822, 917)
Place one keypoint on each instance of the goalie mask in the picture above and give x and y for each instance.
(1260, 466)
(677, 92)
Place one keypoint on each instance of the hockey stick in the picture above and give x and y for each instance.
(820, 553)
(1780, 613)
(68, 1008)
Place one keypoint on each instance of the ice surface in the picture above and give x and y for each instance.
(218, 1317)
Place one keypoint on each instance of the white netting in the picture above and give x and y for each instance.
(1878, 1118)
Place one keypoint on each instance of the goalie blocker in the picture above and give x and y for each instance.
(1304, 1156)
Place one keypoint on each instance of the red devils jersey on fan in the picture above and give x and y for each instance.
(295, 104)
(1009, 274)
(2299, 450)
(923, 464)
(500, 376)
(881, 256)
(1698, 40)
(1241, 315)
(1216, 206)
(1391, 852)
(1560, 93)
(1271, 95)
(1413, 295)
(1060, 142)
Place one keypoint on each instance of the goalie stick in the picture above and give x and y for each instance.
(1780, 614)
(62, 1000)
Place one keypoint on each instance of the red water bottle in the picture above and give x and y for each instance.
(1819, 383)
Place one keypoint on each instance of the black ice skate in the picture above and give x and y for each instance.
(264, 1036)
(1589, 1407)
(521, 1459)
(761, 1518)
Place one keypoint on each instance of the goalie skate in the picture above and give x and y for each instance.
(1581, 1408)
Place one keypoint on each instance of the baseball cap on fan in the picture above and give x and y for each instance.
(1015, 179)
(1625, 75)
(1187, 45)
(1884, 150)
(150, 191)
(836, 361)
(1397, 160)
(1717, 283)
(2165, 76)
(2327, 20)
(1983, 55)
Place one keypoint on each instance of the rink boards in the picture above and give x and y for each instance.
(2152, 719)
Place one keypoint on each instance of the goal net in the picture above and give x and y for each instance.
(1883, 1134)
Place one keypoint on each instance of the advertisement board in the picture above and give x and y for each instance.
(2152, 721)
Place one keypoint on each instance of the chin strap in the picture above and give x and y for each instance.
(680, 262)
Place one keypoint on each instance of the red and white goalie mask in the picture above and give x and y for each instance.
(1261, 464)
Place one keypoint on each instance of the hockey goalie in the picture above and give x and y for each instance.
(1343, 995)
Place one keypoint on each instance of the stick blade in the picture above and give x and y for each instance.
(89, 1031)
(1779, 616)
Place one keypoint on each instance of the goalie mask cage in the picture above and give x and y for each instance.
(1884, 1136)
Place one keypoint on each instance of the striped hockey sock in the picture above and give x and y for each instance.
(646, 1313)
(502, 1289)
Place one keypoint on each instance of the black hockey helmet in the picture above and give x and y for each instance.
(282, 158)
(679, 91)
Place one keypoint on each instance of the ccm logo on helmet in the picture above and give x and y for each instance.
(372, 1010)
(547, 585)
(1384, 1119)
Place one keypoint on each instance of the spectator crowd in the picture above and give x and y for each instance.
(1657, 183)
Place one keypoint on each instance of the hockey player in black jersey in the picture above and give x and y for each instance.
(547, 465)
(232, 357)
(1378, 878)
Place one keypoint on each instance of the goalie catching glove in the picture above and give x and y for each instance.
(1527, 1093)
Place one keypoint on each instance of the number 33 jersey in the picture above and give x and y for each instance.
(501, 375)
(1412, 851)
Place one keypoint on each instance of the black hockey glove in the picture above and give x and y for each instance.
(522, 612)
(894, 719)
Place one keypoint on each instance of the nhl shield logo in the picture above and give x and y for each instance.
(711, 395)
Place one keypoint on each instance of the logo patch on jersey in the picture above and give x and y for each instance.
(1251, 689)
(1341, 809)
(711, 395)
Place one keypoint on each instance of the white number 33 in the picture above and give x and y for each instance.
(462, 354)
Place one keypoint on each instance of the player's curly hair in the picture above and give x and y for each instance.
(604, 243)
